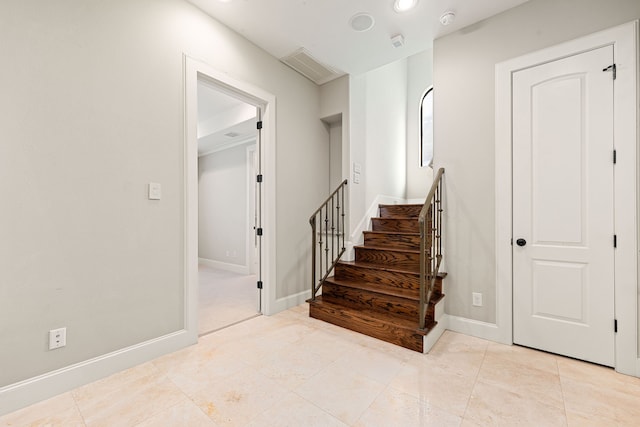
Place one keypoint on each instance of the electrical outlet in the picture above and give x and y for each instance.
(477, 299)
(57, 338)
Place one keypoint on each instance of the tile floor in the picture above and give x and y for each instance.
(290, 370)
(224, 298)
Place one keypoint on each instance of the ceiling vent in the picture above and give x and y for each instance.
(311, 68)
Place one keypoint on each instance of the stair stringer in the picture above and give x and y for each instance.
(434, 334)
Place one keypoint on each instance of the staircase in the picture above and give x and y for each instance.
(378, 294)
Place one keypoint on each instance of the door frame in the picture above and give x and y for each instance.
(624, 39)
(266, 104)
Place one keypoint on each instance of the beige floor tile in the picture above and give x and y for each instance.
(58, 411)
(121, 401)
(460, 353)
(436, 384)
(344, 395)
(523, 379)
(183, 414)
(378, 366)
(524, 356)
(239, 398)
(394, 408)
(292, 365)
(585, 400)
(294, 411)
(201, 369)
(494, 406)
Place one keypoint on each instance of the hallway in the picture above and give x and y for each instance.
(291, 370)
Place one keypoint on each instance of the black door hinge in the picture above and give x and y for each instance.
(615, 240)
(613, 69)
(259, 125)
(615, 157)
(259, 284)
(259, 231)
(615, 325)
(259, 178)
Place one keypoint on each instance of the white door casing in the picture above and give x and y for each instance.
(563, 252)
(624, 39)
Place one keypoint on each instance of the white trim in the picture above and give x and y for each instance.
(624, 41)
(266, 102)
(356, 237)
(234, 268)
(429, 340)
(476, 328)
(228, 145)
(290, 301)
(32, 390)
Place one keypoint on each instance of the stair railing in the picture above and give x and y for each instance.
(430, 223)
(328, 240)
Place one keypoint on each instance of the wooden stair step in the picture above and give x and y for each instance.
(410, 210)
(375, 273)
(401, 224)
(392, 239)
(380, 288)
(364, 297)
(403, 258)
(374, 324)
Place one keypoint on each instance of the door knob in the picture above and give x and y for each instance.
(521, 242)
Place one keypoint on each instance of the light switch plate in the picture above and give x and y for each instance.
(155, 191)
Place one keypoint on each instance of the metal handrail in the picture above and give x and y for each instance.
(334, 227)
(430, 259)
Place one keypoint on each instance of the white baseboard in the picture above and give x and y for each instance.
(286, 303)
(27, 392)
(476, 328)
(234, 268)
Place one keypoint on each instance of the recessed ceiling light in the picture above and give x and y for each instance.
(404, 5)
(361, 22)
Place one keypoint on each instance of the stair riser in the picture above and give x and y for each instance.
(363, 299)
(400, 210)
(390, 258)
(394, 224)
(387, 240)
(391, 278)
(368, 327)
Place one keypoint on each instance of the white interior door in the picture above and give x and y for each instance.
(563, 228)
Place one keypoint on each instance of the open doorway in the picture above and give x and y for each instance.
(228, 247)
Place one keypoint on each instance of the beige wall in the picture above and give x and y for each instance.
(464, 67)
(92, 110)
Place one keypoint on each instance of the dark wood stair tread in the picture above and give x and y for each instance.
(374, 266)
(412, 294)
(411, 325)
(396, 233)
(389, 248)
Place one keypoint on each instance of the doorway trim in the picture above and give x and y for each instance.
(623, 38)
(266, 104)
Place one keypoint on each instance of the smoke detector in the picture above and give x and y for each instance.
(397, 40)
(447, 18)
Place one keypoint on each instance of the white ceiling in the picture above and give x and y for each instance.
(223, 121)
(322, 26)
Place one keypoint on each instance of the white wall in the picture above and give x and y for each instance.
(222, 206)
(378, 138)
(464, 102)
(92, 109)
(419, 79)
